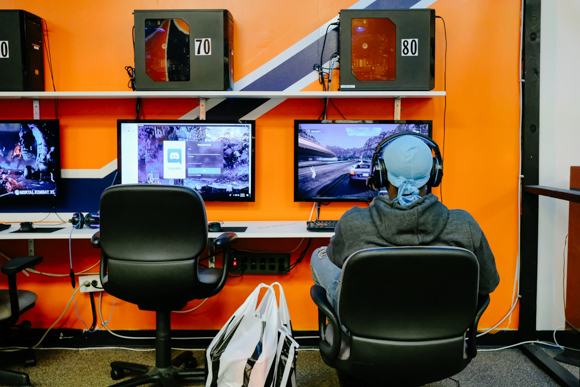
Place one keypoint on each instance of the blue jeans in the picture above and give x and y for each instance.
(326, 274)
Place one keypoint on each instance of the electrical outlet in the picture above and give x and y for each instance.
(91, 287)
(260, 263)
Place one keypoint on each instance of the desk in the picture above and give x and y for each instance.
(256, 229)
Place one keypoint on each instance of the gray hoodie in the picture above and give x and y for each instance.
(426, 222)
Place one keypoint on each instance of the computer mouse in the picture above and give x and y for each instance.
(26, 227)
(215, 227)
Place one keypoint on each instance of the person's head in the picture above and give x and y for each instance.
(408, 161)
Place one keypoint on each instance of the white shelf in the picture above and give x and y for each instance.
(35, 95)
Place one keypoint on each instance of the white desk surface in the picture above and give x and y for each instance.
(255, 229)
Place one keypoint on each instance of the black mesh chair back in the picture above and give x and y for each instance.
(151, 237)
(408, 311)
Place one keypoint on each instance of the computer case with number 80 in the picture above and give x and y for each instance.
(184, 49)
(384, 49)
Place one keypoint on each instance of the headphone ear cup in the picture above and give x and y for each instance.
(378, 176)
(78, 220)
(436, 173)
(433, 174)
(383, 173)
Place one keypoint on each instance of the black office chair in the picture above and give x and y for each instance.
(408, 310)
(13, 303)
(151, 237)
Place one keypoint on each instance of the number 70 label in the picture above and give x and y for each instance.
(203, 46)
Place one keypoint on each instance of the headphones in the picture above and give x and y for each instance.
(77, 220)
(378, 177)
(91, 220)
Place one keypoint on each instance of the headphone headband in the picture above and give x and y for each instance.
(378, 177)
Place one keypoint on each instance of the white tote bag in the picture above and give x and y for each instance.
(255, 347)
(245, 348)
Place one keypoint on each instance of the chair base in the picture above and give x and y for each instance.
(166, 377)
(346, 380)
(13, 378)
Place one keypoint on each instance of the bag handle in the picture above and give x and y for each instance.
(284, 312)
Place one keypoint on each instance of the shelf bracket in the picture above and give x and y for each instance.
(36, 109)
(202, 108)
(398, 108)
(31, 247)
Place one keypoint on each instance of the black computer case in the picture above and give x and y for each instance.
(184, 49)
(21, 51)
(387, 49)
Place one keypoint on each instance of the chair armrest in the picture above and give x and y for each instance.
(96, 240)
(482, 304)
(18, 264)
(326, 312)
(225, 240)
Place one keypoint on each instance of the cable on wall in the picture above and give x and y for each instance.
(445, 102)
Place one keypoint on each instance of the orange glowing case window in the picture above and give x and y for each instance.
(373, 49)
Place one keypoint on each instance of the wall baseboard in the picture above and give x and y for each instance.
(200, 339)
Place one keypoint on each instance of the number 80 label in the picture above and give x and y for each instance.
(203, 46)
(409, 47)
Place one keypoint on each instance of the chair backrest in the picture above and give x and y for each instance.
(409, 293)
(407, 310)
(151, 237)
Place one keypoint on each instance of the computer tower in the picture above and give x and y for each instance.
(387, 49)
(21, 51)
(184, 49)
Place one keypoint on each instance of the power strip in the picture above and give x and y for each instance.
(259, 263)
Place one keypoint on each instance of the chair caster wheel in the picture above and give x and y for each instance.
(117, 373)
(25, 325)
(191, 363)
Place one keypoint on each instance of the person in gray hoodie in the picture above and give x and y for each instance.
(412, 218)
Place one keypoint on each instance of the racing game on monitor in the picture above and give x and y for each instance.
(333, 158)
(216, 159)
(29, 160)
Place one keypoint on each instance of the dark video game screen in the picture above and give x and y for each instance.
(216, 159)
(333, 158)
(29, 160)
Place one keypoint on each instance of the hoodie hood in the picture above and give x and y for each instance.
(419, 223)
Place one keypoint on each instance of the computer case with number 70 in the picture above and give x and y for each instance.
(191, 49)
(383, 49)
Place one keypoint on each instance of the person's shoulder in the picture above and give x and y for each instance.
(463, 217)
(353, 214)
(461, 214)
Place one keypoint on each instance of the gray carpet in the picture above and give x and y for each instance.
(90, 368)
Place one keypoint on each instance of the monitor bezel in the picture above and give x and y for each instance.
(27, 203)
(298, 122)
(251, 198)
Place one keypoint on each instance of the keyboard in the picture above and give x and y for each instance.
(321, 225)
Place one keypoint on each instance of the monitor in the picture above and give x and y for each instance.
(29, 163)
(214, 158)
(332, 159)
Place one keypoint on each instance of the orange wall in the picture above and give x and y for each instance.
(91, 44)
